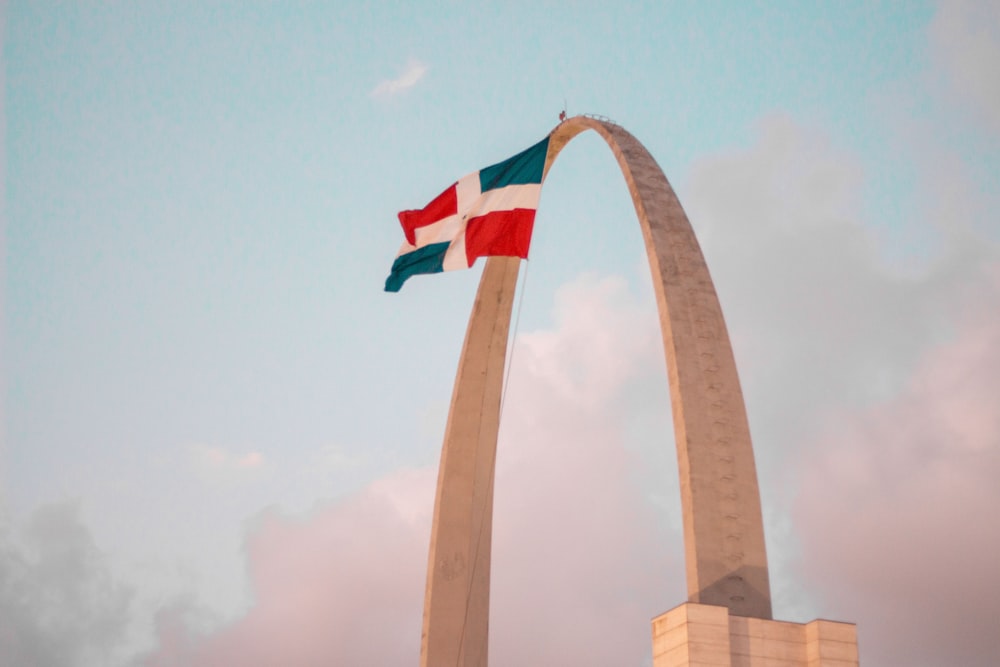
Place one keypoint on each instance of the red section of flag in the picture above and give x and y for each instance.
(444, 204)
(501, 233)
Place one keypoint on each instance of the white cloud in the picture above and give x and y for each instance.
(411, 76)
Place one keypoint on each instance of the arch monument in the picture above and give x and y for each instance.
(725, 560)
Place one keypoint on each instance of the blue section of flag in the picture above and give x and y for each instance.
(426, 259)
(525, 167)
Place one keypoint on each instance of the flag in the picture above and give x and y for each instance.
(489, 212)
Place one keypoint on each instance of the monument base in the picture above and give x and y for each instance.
(708, 636)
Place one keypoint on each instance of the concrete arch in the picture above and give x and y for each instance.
(725, 559)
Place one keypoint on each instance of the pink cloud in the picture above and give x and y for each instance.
(888, 435)
(894, 517)
(341, 586)
(897, 514)
(581, 563)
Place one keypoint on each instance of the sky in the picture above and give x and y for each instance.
(220, 436)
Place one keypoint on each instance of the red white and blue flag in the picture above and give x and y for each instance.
(489, 212)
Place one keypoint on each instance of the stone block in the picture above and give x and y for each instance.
(694, 653)
(820, 652)
(831, 630)
(831, 644)
(697, 634)
(692, 634)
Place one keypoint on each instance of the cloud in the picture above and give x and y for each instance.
(817, 317)
(871, 394)
(218, 457)
(897, 512)
(59, 605)
(965, 40)
(580, 562)
(411, 76)
(810, 304)
(582, 557)
(341, 585)
(872, 413)
(218, 465)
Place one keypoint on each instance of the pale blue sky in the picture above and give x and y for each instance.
(201, 204)
(203, 199)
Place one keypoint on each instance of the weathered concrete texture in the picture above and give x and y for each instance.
(709, 636)
(725, 559)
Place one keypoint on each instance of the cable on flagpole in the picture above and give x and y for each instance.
(513, 342)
